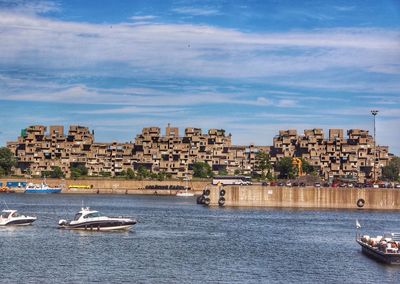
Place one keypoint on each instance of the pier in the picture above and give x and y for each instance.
(305, 197)
(239, 196)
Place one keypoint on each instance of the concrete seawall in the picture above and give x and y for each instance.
(241, 196)
(308, 197)
(116, 186)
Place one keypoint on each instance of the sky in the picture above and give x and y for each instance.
(249, 67)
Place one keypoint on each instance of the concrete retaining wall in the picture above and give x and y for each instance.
(115, 186)
(308, 197)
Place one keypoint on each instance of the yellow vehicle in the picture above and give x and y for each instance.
(80, 186)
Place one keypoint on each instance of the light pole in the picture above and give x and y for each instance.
(374, 113)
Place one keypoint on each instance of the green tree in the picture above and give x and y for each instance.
(142, 172)
(285, 168)
(263, 163)
(306, 167)
(7, 160)
(162, 176)
(392, 170)
(105, 174)
(78, 170)
(130, 174)
(2, 172)
(57, 173)
(202, 170)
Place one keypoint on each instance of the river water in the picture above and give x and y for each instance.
(177, 241)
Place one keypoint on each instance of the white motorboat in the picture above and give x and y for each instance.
(184, 193)
(12, 217)
(92, 220)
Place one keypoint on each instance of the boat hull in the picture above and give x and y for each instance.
(19, 222)
(49, 190)
(100, 226)
(388, 258)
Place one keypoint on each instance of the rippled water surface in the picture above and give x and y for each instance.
(177, 241)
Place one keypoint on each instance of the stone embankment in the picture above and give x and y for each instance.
(116, 186)
(305, 197)
(239, 196)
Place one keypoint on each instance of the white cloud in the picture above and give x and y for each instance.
(197, 11)
(143, 18)
(198, 50)
(150, 111)
(30, 6)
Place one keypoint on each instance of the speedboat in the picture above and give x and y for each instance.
(92, 220)
(12, 217)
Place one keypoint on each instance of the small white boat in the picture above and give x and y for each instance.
(184, 193)
(92, 220)
(12, 217)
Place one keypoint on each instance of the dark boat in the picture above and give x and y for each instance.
(382, 248)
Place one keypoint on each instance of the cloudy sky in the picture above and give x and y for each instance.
(249, 67)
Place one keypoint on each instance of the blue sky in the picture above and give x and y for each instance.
(250, 67)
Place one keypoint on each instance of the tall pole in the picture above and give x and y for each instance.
(374, 113)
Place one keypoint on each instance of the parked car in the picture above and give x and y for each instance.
(317, 184)
(295, 184)
(325, 184)
(397, 185)
(288, 183)
(302, 184)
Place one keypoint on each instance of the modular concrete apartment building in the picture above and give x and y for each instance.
(39, 150)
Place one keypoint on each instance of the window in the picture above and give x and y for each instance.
(92, 215)
(77, 216)
(5, 215)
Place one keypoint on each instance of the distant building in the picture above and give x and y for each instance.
(39, 150)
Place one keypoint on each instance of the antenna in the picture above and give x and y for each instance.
(5, 204)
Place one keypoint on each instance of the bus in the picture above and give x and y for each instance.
(231, 180)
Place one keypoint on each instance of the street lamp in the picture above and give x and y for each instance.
(374, 113)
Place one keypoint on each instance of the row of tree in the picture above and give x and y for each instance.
(263, 171)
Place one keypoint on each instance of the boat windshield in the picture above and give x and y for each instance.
(5, 215)
(92, 215)
(77, 216)
(15, 214)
